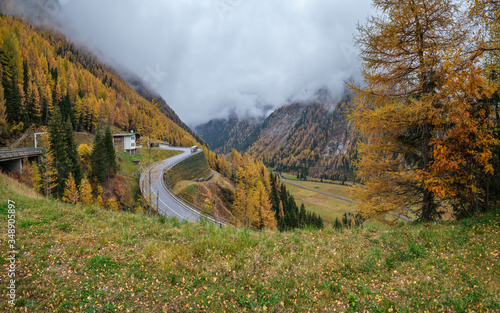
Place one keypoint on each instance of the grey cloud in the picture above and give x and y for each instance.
(214, 57)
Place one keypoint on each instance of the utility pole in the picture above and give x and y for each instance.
(149, 175)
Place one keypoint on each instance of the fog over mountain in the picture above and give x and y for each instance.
(209, 58)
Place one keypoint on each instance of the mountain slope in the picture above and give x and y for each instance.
(222, 135)
(41, 71)
(40, 13)
(312, 138)
(149, 94)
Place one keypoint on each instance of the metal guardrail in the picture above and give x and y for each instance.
(192, 208)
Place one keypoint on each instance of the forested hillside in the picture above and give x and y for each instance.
(308, 138)
(223, 135)
(147, 93)
(40, 70)
(256, 197)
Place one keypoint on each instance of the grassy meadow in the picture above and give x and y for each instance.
(85, 259)
(327, 207)
(126, 162)
(217, 178)
(191, 168)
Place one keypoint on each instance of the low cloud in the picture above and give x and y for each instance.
(208, 58)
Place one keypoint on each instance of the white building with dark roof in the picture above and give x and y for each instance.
(126, 142)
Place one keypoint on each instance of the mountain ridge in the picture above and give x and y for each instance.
(38, 13)
(42, 70)
(148, 93)
(311, 137)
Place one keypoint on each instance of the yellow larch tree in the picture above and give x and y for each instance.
(85, 192)
(35, 177)
(264, 212)
(37, 109)
(419, 105)
(70, 190)
(246, 198)
(112, 205)
(99, 192)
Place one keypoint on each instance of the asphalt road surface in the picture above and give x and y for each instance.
(167, 203)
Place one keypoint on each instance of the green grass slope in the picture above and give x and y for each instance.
(126, 161)
(191, 168)
(84, 259)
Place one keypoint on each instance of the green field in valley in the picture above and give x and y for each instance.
(328, 207)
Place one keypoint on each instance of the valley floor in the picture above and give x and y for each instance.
(314, 199)
(84, 259)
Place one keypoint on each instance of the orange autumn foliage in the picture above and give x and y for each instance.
(426, 130)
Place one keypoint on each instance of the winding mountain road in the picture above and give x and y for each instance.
(167, 202)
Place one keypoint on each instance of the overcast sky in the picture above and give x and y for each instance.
(208, 57)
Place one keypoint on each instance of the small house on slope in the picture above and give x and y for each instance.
(126, 142)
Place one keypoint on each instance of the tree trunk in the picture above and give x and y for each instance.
(428, 205)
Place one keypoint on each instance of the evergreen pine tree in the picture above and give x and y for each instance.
(26, 91)
(284, 198)
(67, 108)
(109, 148)
(58, 146)
(97, 158)
(26, 77)
(275, 199)
(72, 152)
(337, 224)
(282, 224)
(302, 218)
(14, 107)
